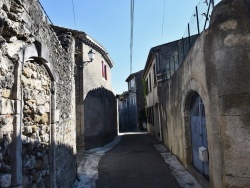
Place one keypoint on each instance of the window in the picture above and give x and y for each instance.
(150, 116)
(132, 83)
(154, 75)
(158, 63)
(146, 85)
(150, 87)
(104, 71)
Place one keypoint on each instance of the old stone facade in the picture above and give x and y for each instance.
(205, 101)
(92, 77)
(37, 99)
(44, 80)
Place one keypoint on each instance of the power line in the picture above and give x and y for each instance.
(163, 16)
(131, 33)
(74, 12)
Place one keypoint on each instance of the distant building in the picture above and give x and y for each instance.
(131, 103)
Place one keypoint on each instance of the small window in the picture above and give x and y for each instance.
(146, 85)
(132, 83)
(149, 80)
(154, 75)
(104, 71)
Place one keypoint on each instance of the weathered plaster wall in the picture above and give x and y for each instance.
(27, 43)
(152, 100)
(217, 68)
(88, 78)
(92, 73)
(101, 122)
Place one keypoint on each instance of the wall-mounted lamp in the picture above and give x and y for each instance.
(91, 55)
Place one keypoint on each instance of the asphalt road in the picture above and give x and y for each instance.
(134, 163)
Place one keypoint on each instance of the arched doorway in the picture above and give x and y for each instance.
(199, 135)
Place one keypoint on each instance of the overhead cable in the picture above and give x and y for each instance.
(131, 34)
(74, 13)
(163, 16)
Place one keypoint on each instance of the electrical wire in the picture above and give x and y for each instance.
(74, 12)
(163, 16)
(131, 33)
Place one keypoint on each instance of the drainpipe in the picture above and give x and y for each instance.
(54, 119)
(16, 178)
(160, 123)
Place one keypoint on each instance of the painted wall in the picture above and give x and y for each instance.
(89, 78)
(217, 68)
(152, 101)
(92, 72)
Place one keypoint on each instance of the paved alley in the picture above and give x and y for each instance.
(132, 160)
(134, 163)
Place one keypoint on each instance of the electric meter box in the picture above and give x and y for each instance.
(203, 154)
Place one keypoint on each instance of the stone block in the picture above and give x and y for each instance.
(27, 72)
(39, 164)
(29, 162)
(41, 99)
(40, 110)
(7, 106)
(14, 48)
(37, 119)
(45, 118)
(5, 180)
(27, 180)
(11, 39)
(27, 129)
(6, 123)
(45, 137)
(25, 139)
(6, 93)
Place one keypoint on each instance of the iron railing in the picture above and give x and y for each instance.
(199, 21)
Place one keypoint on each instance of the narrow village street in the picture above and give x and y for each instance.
(132, 161)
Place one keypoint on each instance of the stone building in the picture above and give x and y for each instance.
(131, 103)
(95, 119)
(203, 104)
(38, 97)
(123, 111)
(160, 65)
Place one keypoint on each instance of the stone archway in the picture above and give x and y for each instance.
(36, 113)
(199, 143)
(195, 129)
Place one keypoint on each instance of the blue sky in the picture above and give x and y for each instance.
(108, 21)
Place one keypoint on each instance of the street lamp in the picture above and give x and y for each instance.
(91, 55)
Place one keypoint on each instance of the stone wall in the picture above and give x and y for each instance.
(100, 118)
(37, 99)
(216, 68)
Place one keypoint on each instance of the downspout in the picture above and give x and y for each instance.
(54, 119)
(160, 122)
(16, 178)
